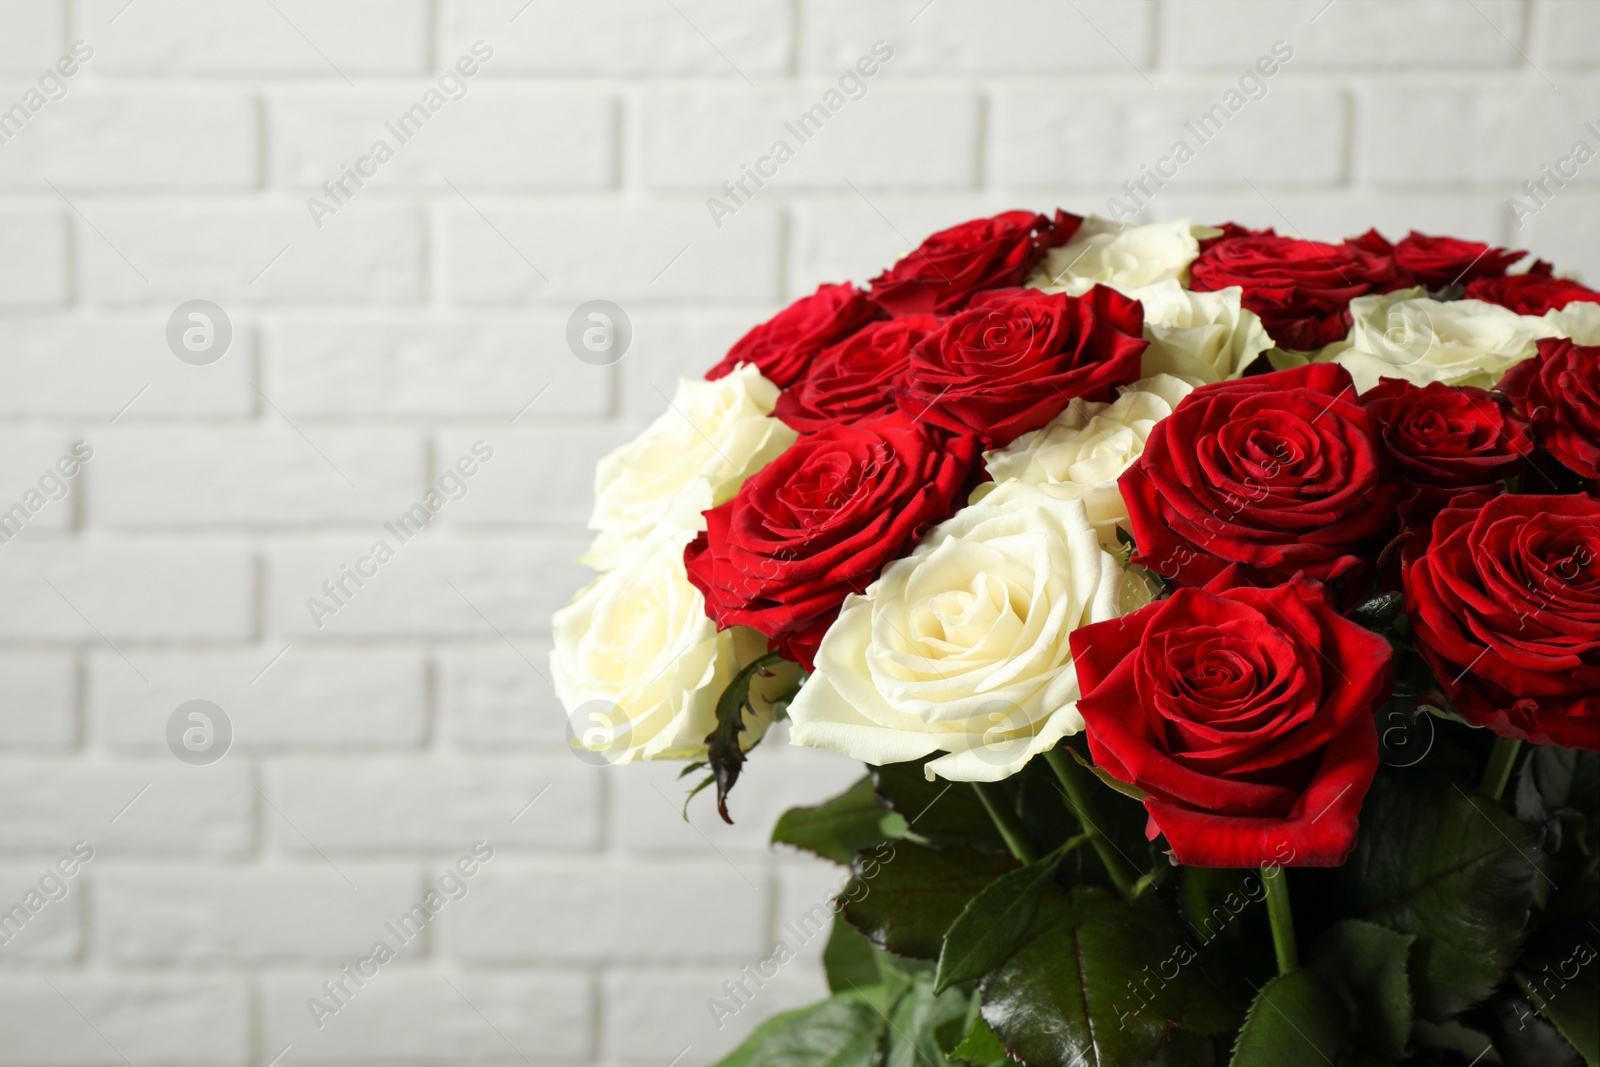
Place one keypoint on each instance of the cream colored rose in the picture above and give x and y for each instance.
(1579, 320)
(639, 666)
(1203, 337)
(1406, 335)
(1109, 253)
(961, 647)
(694, 457)
(1079, 454)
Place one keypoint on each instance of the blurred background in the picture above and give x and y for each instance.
(366, 318)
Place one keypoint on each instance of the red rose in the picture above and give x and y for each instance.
(783, 347)
(1438, 262)
(1505, 606)
(1531, 293)
(856, 377)
(820, 520)
(1559, 392)
(947, 268)
(1281, 472)
(1301, 289)
(1247, 716)
(1011, 361)
(1449, 436)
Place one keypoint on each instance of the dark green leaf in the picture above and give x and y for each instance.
(740, 1057)
(1380, 611)
(1557, 788)
(1226, 912)
(843, 1031)
(1087, 986)
(904, 896)
(941, 812)
(724, 752)
(1453, 869)
(916, 1021)
(1296, 1019)
(981, 1046)
(1367, 964)
(850, 961)
(1522, 1038)
(839, 828)
(993, 923)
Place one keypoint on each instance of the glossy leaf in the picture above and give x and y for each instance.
(839, 828)
(904, 896)
(940, 812)
(1368, 963)
(1296, 1019)
(843, 1031)
(993, 923)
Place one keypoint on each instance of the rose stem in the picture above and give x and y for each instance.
(1081, 800)
(999, 809)
(1498, 773)
(1276, 881)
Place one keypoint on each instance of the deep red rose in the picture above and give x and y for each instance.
(1505, 606)
(1438, 262)
(1445, 441)
(819, 522)
(1301, 289)
(783, 347)
(856, 377)
(1531, 293)
(1011, 361)
(1559, 391)
(1247, 716)
(1281, 472)
(993, 253)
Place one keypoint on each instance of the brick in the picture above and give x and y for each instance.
(398, 803)
(28, 476)
(1347, 33)
(166, 37)
(649, 1011)
(631, 38)
(1289, 136)
(488, 139)
(41, 693)
(31, 36)
(49, 804)
(125, 593)
(609, 911)
(368, 253)
(516, 585)
(1462, 135)
(624, 254)
(304, 699)
(34, 270)
(522, 486)
(100, 371)
(474, 367)
(53, 933)
(807, 887)
(848, 240)
(1564, 232)
(490, 698)
(268, 477)
(974, 36)
(253, 914)
(137, 1019)
(1567, 33)
(670, 344)
(434, 1017)
(135, 140)
(694, 140)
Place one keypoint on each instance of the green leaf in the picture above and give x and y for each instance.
(904, 896)
(1572, 1007)
(1226, 912)
(916, 1021)
(1296, 1018)
(1086, 987)
(855, 965)
(980, 1047)
(941, 812)
(1456, 871)
(839, 828)
(1125, 788)
(1367, 963)
(843, 1031)
(740, 1057)
(993, 923)
(724, 752)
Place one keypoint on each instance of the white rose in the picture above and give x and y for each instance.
(694, 457)
(1406, 335)
(639, 667)
(1204, 337)
(1109, 253)
(961, 647)
(1079, 454)
(1579, 320)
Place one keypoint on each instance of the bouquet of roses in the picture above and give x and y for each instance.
(1217, 614)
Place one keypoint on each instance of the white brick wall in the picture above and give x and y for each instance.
(428, 313)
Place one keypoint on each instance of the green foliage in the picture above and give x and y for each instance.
(1297, 1018)
(993, 923)
(904, 896)
(837, 829)
(1366, 965)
